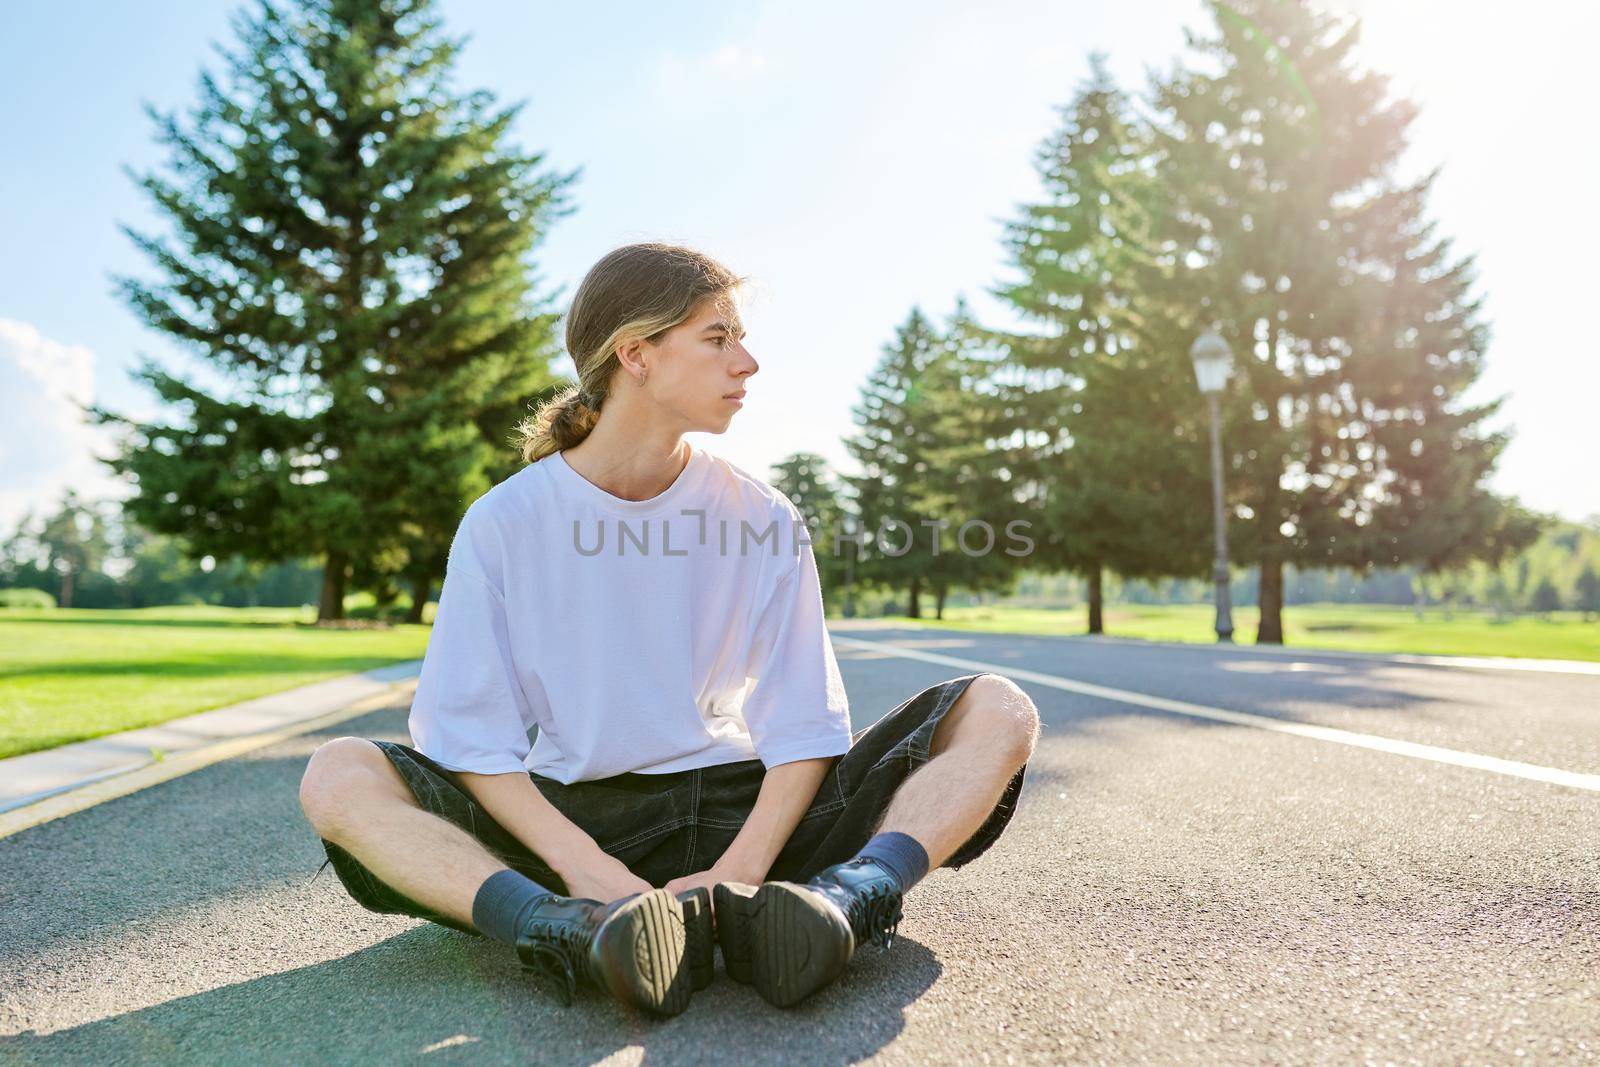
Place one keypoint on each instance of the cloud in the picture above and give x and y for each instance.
(46, 444)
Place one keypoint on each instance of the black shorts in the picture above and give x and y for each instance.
(663, 826)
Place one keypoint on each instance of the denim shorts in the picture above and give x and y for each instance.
(663, 826)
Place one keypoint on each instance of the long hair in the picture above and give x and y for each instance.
(636, 291)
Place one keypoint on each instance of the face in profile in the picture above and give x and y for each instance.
(703, 367)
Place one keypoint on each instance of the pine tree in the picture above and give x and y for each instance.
(892, 421)
(352, 271)
(1546, 598)
(966, 482)
(1116, 460)
(1354, 327)
(1588, 592)
(804, 478)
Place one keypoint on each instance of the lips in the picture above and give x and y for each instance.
(734, 396)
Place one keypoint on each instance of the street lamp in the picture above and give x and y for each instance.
(850, 581)
(1212, 363)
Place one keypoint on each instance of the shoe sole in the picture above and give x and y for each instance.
(796, 942)
(640, 954)
(700, 940)
(734, 908)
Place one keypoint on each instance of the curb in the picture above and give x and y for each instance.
(41, 786)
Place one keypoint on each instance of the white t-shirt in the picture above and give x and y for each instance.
(652, 635)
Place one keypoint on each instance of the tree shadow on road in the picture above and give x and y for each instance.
(1309, 685)
(453, 997)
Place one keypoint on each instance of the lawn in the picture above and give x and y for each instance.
(1349, 627)
(71, 675)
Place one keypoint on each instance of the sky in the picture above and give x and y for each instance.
(853, 160)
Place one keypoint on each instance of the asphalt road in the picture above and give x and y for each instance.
(1172, 890)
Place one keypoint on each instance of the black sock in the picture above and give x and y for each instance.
(901, 853)
(504, 901)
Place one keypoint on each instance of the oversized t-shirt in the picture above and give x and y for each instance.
(651, 635)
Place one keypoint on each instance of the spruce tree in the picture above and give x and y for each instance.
(1587, 591)
(931, 466)
(1355, 329)
(1104, 394)
(352, 274)
(805, 479)
(891, 421)
(965, 481)
(1546, 598)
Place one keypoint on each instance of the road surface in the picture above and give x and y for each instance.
(1175, 888)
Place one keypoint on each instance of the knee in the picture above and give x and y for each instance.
(1010, 720)
(333, 779)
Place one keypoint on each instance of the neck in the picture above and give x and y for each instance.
(626, 463)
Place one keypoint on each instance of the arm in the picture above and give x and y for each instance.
(514, 802)
(799, 720)
(470, 714)
(786, 793)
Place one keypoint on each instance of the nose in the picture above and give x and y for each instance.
(749, 366)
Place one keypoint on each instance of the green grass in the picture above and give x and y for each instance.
(71, 675)
(1348, 627)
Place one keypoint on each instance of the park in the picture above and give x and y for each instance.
(1191, 389)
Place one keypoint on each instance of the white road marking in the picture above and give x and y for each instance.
(1432, 753)
(1251, 666)
(1481, 663)
(1409, 659)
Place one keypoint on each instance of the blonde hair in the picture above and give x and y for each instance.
(636, 291)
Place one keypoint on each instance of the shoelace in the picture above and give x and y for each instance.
(876, 912)
(553, 959)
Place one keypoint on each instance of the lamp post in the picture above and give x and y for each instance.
(850, 582)
(1213, 361)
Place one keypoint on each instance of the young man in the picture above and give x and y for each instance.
(693, 732)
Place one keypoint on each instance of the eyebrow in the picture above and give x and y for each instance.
(720, 325)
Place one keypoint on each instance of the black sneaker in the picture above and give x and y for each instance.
(735, 907)
(790, 939)
(700, 940)
(633, 948)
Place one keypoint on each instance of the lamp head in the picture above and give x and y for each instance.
(1213, 361)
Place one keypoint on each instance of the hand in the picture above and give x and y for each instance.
(609, 880)
(711, 877)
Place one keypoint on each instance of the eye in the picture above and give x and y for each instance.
(720, 340)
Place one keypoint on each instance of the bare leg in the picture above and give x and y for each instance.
(355, 798)
(642, 951)
(979, 744)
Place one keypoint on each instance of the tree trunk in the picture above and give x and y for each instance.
(1270, 629)
(914, 609)
(334, 573)
(66, 589)
(1097, 621)
(938, 602)
(421, 589)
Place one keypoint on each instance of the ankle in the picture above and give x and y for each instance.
(900, 854)
(504, 903)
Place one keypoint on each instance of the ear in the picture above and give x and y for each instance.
(631, 355)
